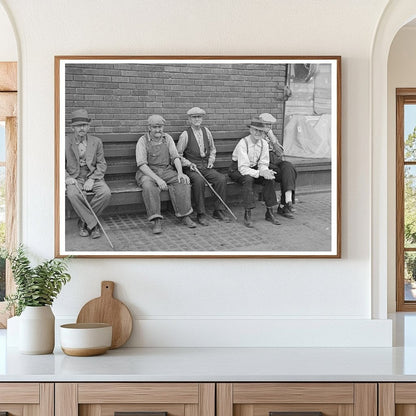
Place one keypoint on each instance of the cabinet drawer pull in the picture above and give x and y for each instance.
(295, 413)
(139, 414)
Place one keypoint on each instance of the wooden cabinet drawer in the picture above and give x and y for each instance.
(105, 399)
(262, 399)
(397, 399)
(21, 399)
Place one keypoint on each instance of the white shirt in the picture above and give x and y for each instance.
(249, 155)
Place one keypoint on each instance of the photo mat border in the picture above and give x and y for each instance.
(60, 62)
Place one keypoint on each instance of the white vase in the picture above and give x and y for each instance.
(37, 330)
(12, 334)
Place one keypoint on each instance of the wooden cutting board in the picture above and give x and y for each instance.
(109, 310)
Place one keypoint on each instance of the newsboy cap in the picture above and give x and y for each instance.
(155, 119)
(257, 124)
(196, 111)
(79, 117)
(267, 118)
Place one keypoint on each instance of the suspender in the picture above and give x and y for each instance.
(261, 151)
(148, 140)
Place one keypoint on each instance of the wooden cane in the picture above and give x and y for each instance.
(93, 213)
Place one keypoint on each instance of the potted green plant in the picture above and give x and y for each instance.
(36, 289)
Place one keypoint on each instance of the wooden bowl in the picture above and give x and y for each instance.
(84, 340)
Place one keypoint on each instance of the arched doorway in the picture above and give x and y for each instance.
(401, 96)
(396, 15)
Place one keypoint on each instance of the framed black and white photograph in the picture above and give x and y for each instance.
(198, 156)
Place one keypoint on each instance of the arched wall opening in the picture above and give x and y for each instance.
(401, 74)
(396, 15)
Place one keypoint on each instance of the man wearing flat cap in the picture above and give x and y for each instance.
(250, 165)
(285, 171)
(160, 169)
(85, 167)
(197, 150)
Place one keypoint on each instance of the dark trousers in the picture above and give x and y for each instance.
(286, 175)
(247, 181)
(216, 179)
(100, 200)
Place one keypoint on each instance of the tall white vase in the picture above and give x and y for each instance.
(12, 334)
(37, 330)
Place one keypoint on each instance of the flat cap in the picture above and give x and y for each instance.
(79, 117)
(155, 119)
(257, 124)
(267, 118)
(196, 111)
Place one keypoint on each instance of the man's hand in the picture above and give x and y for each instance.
(210, 165)
(70, 181)
(88, 185)
(267, 174)
(183, 178)
(192, 166)
(271, 137)
(163, 186)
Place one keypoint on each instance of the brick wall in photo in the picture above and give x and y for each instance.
(120, 97)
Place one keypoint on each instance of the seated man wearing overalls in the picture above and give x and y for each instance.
(156, 155)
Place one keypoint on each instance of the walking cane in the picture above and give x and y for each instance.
(93, 213)
(214, 192)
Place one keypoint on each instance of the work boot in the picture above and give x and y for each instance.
(188, 222)
(220, 215)
(270, 217)
(95, 232)
(202, 219)
(83, 230)
(157, 226)
(247, 219)
(286, 211)
(291, 208)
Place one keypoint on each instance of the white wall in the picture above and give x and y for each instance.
(401, 74)
(213, 301)
(8, 45)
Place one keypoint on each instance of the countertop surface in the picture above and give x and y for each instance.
(215, 364)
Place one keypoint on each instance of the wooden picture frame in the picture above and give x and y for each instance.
(119, 93)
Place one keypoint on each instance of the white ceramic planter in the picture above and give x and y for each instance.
(37, 330)
(12, 334)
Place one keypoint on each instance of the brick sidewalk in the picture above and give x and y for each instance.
(309, 231)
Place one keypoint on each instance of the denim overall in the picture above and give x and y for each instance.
(159, 161)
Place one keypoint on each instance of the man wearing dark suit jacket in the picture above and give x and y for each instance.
(85, 166)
